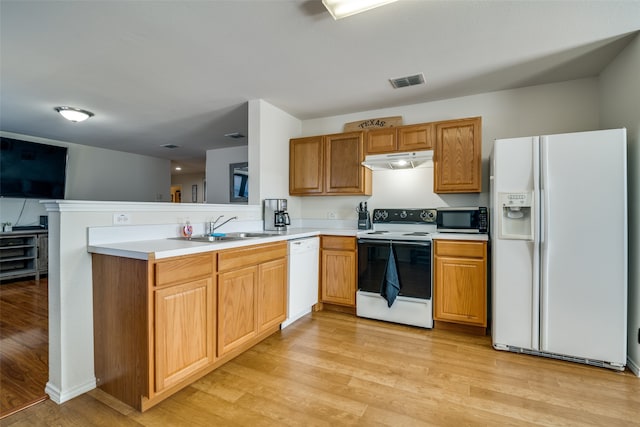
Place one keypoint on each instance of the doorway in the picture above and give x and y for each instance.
(176, 193)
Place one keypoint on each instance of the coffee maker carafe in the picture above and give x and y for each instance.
(275, 214)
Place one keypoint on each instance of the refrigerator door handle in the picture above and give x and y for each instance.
(535, 279)
(544, 247)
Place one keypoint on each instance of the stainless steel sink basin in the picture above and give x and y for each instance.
(250, 235)
(228, 237)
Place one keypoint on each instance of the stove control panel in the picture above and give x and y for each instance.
(399, 216)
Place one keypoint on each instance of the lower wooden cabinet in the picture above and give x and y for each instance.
(160, 325)
(184, 331)
(272, 294)
(460, 282)
(237, 321)
(338, 270)
(252, 293)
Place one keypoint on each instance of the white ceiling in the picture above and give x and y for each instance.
(181, 72)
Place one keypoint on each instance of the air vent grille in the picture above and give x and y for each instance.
(170, 146)
(416, 79)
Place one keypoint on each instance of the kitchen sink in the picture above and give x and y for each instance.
(250, 235)
(227, 237)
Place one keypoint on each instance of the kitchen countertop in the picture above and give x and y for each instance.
(460, 236)
(165, 248)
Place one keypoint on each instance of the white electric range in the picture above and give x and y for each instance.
(407, 234)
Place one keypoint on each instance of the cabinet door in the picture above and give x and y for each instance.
(339, 277)
(458, 156)
(272, 293)
(184, 330)
(416, 137)
(306, 165)
(381, 141)
(237, 322)
(345, 174)
(460, 290)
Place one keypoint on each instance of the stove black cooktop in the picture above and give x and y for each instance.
(404, 216)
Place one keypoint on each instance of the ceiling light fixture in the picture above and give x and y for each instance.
(178, 168)
(342, 8)
(74, 114)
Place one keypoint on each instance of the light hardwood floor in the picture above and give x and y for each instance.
(332, 369)
(24, 348)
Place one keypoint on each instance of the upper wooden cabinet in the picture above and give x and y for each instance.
(458, 156)
(399, 139)
(416, 137)
(306, 165)
(328, 165)
(379, 141)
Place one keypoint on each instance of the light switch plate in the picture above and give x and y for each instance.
(121, 218)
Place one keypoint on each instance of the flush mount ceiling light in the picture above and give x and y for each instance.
(342, 8)
(74, 114)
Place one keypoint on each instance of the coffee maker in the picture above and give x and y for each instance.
(275, 215)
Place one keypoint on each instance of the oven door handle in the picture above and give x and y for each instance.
(396, 242)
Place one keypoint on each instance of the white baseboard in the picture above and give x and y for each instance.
(62, 396)
(633, 367)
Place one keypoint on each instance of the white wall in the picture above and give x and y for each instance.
(217, 172)
(620, 107)
(553, 108)
(21, 212)
(269, 132)
(187, 181)
(97, 174)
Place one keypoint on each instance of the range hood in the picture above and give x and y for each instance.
(410, 160)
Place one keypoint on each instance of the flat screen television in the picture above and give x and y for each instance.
(31, 170)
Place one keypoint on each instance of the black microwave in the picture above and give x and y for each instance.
(463, 220)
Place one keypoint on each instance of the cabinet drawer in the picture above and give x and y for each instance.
(250, 255)
(183, 269)
(339, 242)
(460, 248)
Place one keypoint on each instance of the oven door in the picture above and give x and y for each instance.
(413, 262)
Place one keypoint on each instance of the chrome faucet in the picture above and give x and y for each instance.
(213, 226)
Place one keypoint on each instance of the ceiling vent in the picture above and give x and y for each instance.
(417, 79)
(170, 146)
(234, 135)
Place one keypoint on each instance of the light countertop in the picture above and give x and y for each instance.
(165, 248)
(460, 236)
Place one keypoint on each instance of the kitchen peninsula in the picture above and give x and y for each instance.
(168, 311)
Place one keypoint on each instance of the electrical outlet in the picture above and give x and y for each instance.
(121, 218)
(332, 215)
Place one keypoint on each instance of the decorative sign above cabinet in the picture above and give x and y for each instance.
(383, 122)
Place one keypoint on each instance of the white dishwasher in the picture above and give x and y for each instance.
(303, 277)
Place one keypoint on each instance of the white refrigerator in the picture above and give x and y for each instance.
(559, 246)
